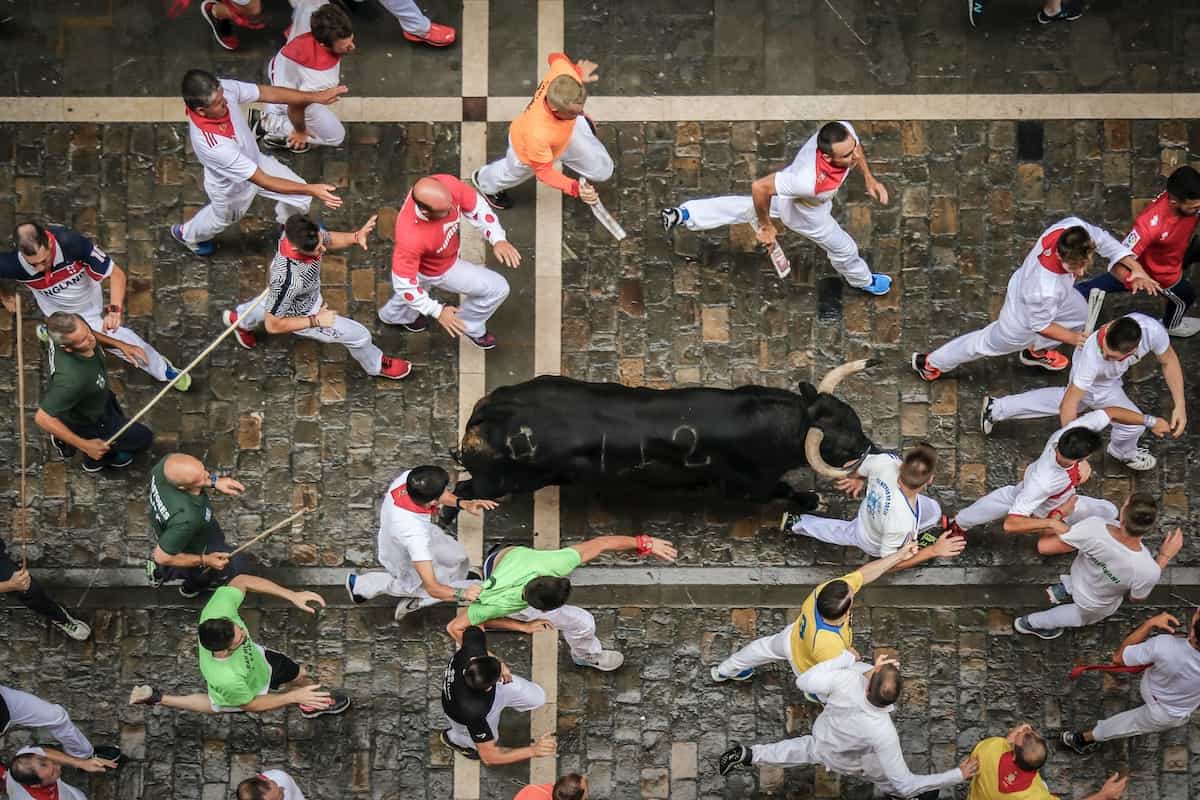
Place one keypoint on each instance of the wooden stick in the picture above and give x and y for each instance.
(22, 527)
(268, 532)
(183, 372)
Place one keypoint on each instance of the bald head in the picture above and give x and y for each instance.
(184, 471)
(432, 197)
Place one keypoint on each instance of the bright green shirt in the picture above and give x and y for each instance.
(181, 520)
(502, 592)
(242, 675)
(78, 388)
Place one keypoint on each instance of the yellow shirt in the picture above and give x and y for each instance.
(813, 639)
(1001, 779)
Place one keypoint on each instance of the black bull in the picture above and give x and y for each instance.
(560, 431)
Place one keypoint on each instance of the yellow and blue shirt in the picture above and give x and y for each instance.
(813, 639)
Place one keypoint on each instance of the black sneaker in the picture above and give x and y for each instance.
(670, 218)
(110, 753)
(1076, 742)
(789, 522)
(474, 575)
(188, 593)
(465, 752)
(254, 121)
(351, 578)
(986, 423)
(1070, 11)
(734, 757)
(418, 325)
(62, 448)
(975, 12)
(341, 702)
(121, 460)
(499, 201)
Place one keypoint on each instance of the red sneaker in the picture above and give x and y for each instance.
(438, 36)
(240, 19)
(485, 342)
(244, 337)
(1046, 359)
(927, 371)
(395, 368)
(222, 29)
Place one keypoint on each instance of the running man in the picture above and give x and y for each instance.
(553, 126)
(1170, 685)
(1041, 308)
(820, 633)
(423, 565)
(527, 590)
(802, 197)
(1110, 562)
(1097, 381)
(65, 272)
(1008, 769)
(23, 710)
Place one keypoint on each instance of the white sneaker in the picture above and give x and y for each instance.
(986, 422)
(76, 629)
(605, 661)
(1188, 326)
(406, 607)
(1141, 462)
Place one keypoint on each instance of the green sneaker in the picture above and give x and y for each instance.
(42, 334)
(184, 383)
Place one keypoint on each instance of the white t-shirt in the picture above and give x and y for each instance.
(290, 790)
(885, 515)
(407, 534)
(1104, 570)
(1046, 485)
(230, 155)
(1091, 369)
(1173, 681)
(810, 178)
(16, 791)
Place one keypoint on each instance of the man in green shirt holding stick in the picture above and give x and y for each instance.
(240, 674)
(191, 545)
(526, 590)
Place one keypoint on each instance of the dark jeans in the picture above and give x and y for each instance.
(134, 440)
(35, 597)
(196, 579)
(1177, 299)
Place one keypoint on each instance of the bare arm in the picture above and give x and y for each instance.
(1068, 409)
(1174, 377)
(55, 427)
(493, 755)
(181, 560)
(294, 97)
(117, 282)
(873, 569)
(1018, 523)
(947, 546)
(607, 544)
(874, 187)
(295, 113)
(762, 190)
(1141, 633)
(430, 583)
(1060, 334)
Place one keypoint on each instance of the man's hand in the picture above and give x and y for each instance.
(362, 234)
(112, 321)
(851, 485)
(326, 317)
(297, 139)
(450, 322)
(948, 545)
(227, 485)
(1113, 788)
(587, 70)
(1141, 282)
(95, 764)
(1077, 339)
(536, 626)
(471, 593)
(9, 301)
(217, 561)
(505, 673)
(588, 194)
(1163, 622)
(1172, 544)
(766, 235)
(969, 767)
(878, 191)
(1161, 427)
(328, 97)
(19, 582)
(1178, 421)
(301, 600)
(476, 506)
(95, 449)
(546, 745)
(854, 653)
(312, 696)
(135, 354)
(325, 193)
(662, 549)
(507, 255)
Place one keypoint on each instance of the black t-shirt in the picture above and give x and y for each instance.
(465, 705)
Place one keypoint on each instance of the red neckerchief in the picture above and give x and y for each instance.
(402, 500)
(1049, 255)
(1073, 473)
(308, 52)
(222, 126)
(290, 251)
(1012, 778)
(829, 175)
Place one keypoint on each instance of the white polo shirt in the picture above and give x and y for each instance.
(1091, 370)
(1173, 680)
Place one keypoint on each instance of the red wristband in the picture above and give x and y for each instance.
(1056, 514)
(644, 544)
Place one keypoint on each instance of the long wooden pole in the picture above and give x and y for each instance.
(269, 531)
(203, 354)
(22, 526)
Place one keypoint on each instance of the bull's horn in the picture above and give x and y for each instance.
(832, 378)
(812, 452)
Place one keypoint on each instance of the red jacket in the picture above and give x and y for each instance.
(1160, 239)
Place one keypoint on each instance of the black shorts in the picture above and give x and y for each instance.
(283, 669)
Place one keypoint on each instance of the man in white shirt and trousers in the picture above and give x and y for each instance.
(36, 774)
(1170, 686)
(25, 710)
(423, 565)
(854, 735)
(1097, 381)
(1110, 561)
(273, 784)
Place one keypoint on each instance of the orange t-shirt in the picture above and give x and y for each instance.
(543, 791)
(538, 137)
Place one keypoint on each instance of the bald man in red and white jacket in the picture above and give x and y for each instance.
(426, 254)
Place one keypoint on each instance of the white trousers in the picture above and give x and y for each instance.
(450, 566)
(801, 751)
(408, 15)
(482, 290)
(156, 366)
(996, 505)
(322, 125)
(1069, 615)
(849, 532)
(520, 695)
(577, 626)
(27, 711)
(767, 650)
(585, 154)
(815, 223)
(377, 582)
(226, 206)
(1005, 336)
(1045, 403)
(1149, 718)
(345, 331)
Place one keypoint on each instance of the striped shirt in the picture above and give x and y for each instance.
(295, 281)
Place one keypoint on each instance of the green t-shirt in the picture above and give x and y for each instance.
(501, 593)
(181, 520)
(243, 675)
(78, 388)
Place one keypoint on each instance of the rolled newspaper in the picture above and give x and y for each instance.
(606, 219)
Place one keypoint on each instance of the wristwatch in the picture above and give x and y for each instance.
(113, 309)
(212, 479)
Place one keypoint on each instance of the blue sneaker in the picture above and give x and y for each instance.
(879, 285)
(351, 579)
(744, 675)
(184, 383)
(199, 248)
